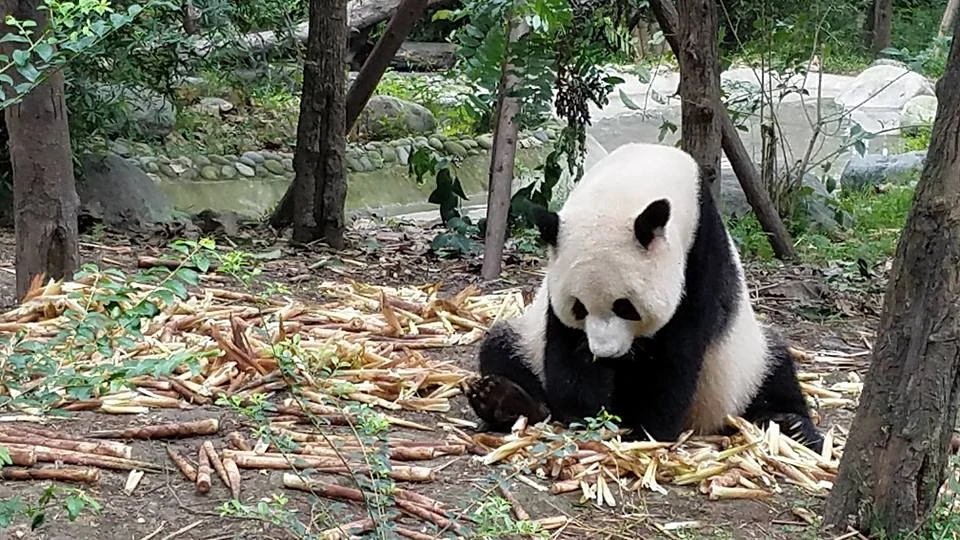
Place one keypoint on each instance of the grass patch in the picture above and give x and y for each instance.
(878, 218)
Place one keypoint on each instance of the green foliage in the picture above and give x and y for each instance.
(877, 217)
(72, 500)
(931, 59)
(73, 28)
(920, 140)
(494, 519)
(104, 321)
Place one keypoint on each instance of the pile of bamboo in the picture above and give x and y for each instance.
(232, 340)
(364, 344)
(748, 464)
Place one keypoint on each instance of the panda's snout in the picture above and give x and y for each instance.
(608, 337)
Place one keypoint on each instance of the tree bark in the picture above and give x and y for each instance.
(363, 86)
(896, 454)
(759, 199)
(320, 186)
(502, 156)
(45, 198)
(699, 59)
(949, 14)
(882, 26)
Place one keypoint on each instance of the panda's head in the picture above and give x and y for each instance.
(617, 249)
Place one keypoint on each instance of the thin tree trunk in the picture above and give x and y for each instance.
(407, 14)
(700, 88)
(759, 199)
(45, 198)
(882, 25)
(949, 14)
(320, 186)
(895, 457)
(502, 161)
(869, 20)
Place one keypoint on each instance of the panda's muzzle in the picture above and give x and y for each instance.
(608, 337)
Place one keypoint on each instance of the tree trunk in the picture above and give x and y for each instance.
(759, 199)
(882, 23)
(502, 160)
(869, 20)
(320, 184)
(363, 86)
(699, 60)
(45, 198)
(949, 14)
(408, 13)
(897, 450)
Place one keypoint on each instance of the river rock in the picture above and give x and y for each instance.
(120, 194)
(209, 172)
(227, 172)
(144, 110)
(884, 87)
(273, 166)
(388, 117)
(874, 169)
(245, 170)
(919, 111)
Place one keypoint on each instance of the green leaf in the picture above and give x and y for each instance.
(14, 38)
(20, 57)
(29, 72)
(44, 51)
(74, 506)
(627, 101)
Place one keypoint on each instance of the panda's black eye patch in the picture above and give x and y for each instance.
(579, 310)
(624, 309)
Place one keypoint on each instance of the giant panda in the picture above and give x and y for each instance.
(643, 311)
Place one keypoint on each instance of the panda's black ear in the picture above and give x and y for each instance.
(548, 223)
(649, 224)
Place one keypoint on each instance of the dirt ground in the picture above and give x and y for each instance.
(813, 308)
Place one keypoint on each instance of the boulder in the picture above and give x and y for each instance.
(884, 86)
(119, 194)
(388, 117)
(146, 111)
(815, 207)
(919, 111)
(874, 169)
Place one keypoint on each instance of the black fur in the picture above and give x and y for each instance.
(652, 388)
(649, 224)
(548, 223)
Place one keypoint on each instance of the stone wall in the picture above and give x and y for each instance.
(378, 176)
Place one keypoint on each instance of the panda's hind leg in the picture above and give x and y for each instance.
(507, 388)
(780, 400)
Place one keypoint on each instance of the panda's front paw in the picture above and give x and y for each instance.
(798, 427)
(498, 401)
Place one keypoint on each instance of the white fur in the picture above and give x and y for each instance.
(733, 368)
(596, 223)
(531, 326)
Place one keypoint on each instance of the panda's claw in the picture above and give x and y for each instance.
(498, 402)
(799, 428)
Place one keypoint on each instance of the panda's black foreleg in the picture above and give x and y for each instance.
(508, 388)
(577, 387)
(780, 400)
(653, 395)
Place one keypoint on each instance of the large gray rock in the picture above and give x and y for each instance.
(148, 112)
(919, 111)
(121, 195)
(884, 86)
(874, 169)
(815, 206)
(387, 117)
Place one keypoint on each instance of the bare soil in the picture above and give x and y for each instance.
(815, 310)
